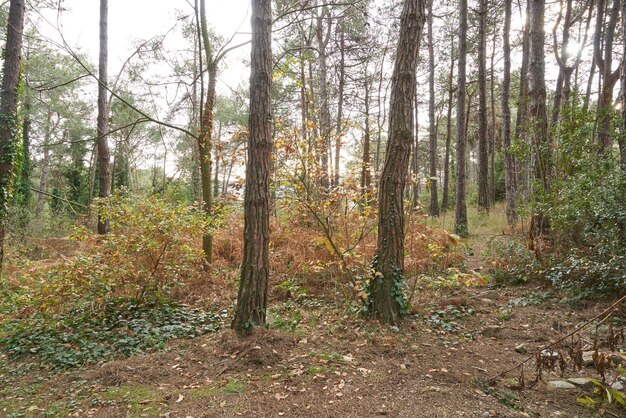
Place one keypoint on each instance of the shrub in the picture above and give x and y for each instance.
(510, 261)
(115, 295)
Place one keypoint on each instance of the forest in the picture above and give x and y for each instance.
(311, 208)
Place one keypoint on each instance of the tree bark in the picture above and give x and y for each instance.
(521, 121)
(8, 109)
(252, 297)
(205, 138)
(445, 202)
(537, 95)
(432, 131)
(104, 174)
(622, 138)
(386, 299)
(509, 165)
(483, 156)
(460, 221)
(323, 35)
(340, 94)
(415, 165)
(608, 76)
(366, 172)
(218, 156)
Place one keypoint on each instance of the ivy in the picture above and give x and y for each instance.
(8, 124)
(396, 287)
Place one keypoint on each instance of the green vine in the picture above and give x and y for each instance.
(7, 158)
(397, 288)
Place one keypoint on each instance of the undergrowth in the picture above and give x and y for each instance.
(115, 297)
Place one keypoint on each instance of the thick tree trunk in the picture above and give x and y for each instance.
(483, 156)
(509, 164)
(104, 174)
(537, 96)
(386, 301)
(432, 132)
(460, 221)
(8, 109)
(252, 297)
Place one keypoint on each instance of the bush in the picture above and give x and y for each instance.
(586, 206)
(115, 295)
(510, 261)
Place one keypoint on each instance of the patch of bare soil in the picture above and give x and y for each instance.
(436, 364)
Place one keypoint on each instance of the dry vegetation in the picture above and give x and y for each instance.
(320, 357)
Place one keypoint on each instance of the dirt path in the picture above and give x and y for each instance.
(331, 365)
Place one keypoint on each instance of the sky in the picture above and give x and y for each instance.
(131, 21)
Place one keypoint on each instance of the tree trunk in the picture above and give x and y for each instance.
(483, 156)
(509, 165)
(104, 174)
(8, 109)
(608, 76)
(432, 132)
(521, 122)
(460, 221)
(366, 173)
(218, 155)
(493, 136)
(622, 138)
(340, 93)
(45, 166)
(25, 172)
(323, 34)
(537, 95)
(386, 299)
(205, 138)
(561, 59)
(445, 202)
(415, 166)
(252, 297)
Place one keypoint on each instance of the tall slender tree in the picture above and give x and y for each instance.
(483, 157)
(104, 176)
(432, 131)
(509, 165)
(537, 95)
(445, 201)
(460, 212)
(604, 58)
(622, 138)
(252, 297)
(386, 301)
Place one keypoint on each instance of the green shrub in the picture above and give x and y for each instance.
(510, 261)
(586, 208)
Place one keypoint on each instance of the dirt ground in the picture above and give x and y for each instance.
(328, 363)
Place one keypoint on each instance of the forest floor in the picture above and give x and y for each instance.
(319, 360)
